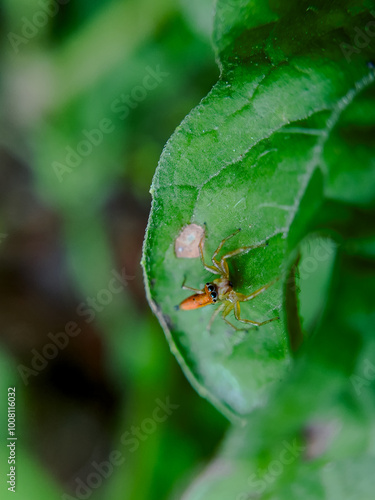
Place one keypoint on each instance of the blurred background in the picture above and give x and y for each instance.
(91, 90)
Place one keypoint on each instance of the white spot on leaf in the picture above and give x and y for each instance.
(187, 242)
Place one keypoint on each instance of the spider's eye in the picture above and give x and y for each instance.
(210, 288)
(214, 295)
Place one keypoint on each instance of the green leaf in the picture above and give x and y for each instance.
(314, 440)
(265, 151)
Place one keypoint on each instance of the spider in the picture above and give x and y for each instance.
(221, 289)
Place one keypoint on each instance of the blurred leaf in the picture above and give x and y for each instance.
(314, 440)
(63, 82)
(200, 14)
(86, 61)
(32, 481)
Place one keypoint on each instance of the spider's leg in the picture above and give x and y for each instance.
(222, 265)
(196, 290)
(244, 298)
(215, 262)
(215, 269)
(237, 313)
(229, 307)
(223, 261)
(216, 312)
(232, 325)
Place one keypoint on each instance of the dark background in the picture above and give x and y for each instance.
(73, 212)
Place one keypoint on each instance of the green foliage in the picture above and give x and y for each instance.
(283, 148)
(61, 81)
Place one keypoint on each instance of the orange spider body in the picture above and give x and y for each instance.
(221, 289)
(211, 293)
